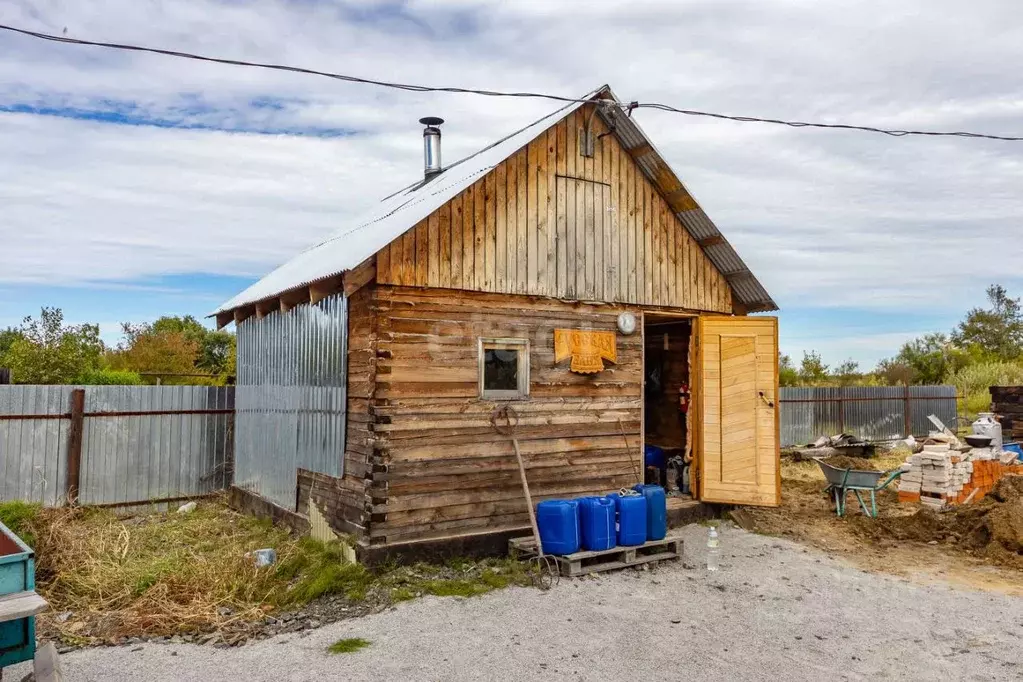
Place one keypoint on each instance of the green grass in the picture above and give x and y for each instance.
(454, 588)
(318, 570)
(21, 518)
(349, 645)
(457, 578)
(400, 594)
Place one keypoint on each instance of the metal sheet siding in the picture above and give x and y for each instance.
(33, 453)
(149, 457)
(291, 397)
(124, 458)
(870, 412)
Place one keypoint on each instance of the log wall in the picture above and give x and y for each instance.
(441, 469)
(548, 221)
(350, 504)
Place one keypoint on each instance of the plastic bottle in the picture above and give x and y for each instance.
(713, 549)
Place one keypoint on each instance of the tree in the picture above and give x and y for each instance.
(812, 370)
(997, 330)
(927, 357)
(217, 352)
(848, 373)
(893, 372)
(147, 349)
(7, 338)
(787, 374)
(176, 346)
(46, 351)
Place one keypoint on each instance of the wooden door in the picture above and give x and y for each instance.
(737, 366)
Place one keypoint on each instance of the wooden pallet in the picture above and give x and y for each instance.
(581, 563)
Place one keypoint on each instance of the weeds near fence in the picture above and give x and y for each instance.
(158, 574)
(161, 574)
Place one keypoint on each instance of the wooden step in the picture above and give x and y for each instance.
(581, 563)
(20, 605)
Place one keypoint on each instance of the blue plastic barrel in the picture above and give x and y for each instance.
(558, 522)
(631, 519)
(653, 456)
(656, 510)
(598, 519)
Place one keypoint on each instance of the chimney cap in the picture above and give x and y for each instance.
(431, 121)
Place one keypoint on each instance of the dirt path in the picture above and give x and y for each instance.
(776, 610)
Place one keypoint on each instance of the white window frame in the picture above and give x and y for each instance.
(520, 345)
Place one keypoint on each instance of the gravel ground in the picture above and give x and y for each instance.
(776, 610)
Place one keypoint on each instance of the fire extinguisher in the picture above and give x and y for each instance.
(683, 398)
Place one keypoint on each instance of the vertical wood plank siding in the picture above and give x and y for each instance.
(440, 468)
(550, 222)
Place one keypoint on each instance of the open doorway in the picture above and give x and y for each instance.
(667, 401)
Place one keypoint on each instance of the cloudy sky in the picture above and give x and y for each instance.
(136, 185)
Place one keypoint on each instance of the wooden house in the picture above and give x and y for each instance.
(564, 271)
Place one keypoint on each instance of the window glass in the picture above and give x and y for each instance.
(500, 370)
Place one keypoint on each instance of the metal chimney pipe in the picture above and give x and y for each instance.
(431, 145)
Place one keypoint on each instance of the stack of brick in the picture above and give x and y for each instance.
(940, 476)
(911, 480)
(988, 472)
(936, 477)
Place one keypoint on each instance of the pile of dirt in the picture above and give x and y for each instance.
(844, 462)
(992, 528)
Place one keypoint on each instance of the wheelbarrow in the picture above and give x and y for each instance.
(843, 481)
(19, 603)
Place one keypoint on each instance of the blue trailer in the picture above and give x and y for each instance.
(19, 602)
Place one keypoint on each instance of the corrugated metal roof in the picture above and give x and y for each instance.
(395, 215)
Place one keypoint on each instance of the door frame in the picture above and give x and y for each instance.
(694, 432)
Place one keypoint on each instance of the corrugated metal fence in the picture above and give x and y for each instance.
(138, 443)
(292, 400)
(870, 412)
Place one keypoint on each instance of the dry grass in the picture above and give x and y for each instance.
(161, 574)
(156, 574)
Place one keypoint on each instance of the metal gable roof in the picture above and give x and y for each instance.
(395, 215)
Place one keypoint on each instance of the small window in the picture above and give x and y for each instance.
(504, 369)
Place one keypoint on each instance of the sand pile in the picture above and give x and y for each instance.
(843, 462)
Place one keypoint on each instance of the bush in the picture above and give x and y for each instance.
(109, 377)
(972, 383)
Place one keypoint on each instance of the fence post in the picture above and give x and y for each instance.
(74, 445)
(907, 409)
(841, 410)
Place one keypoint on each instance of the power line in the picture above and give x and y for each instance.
(499, 93)
(834, 126)
(283, 67)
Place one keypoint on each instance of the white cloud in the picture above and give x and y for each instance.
(823, 218)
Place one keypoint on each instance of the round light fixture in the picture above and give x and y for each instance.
(627, 323)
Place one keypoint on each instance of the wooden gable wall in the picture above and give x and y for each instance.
(551, 222)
